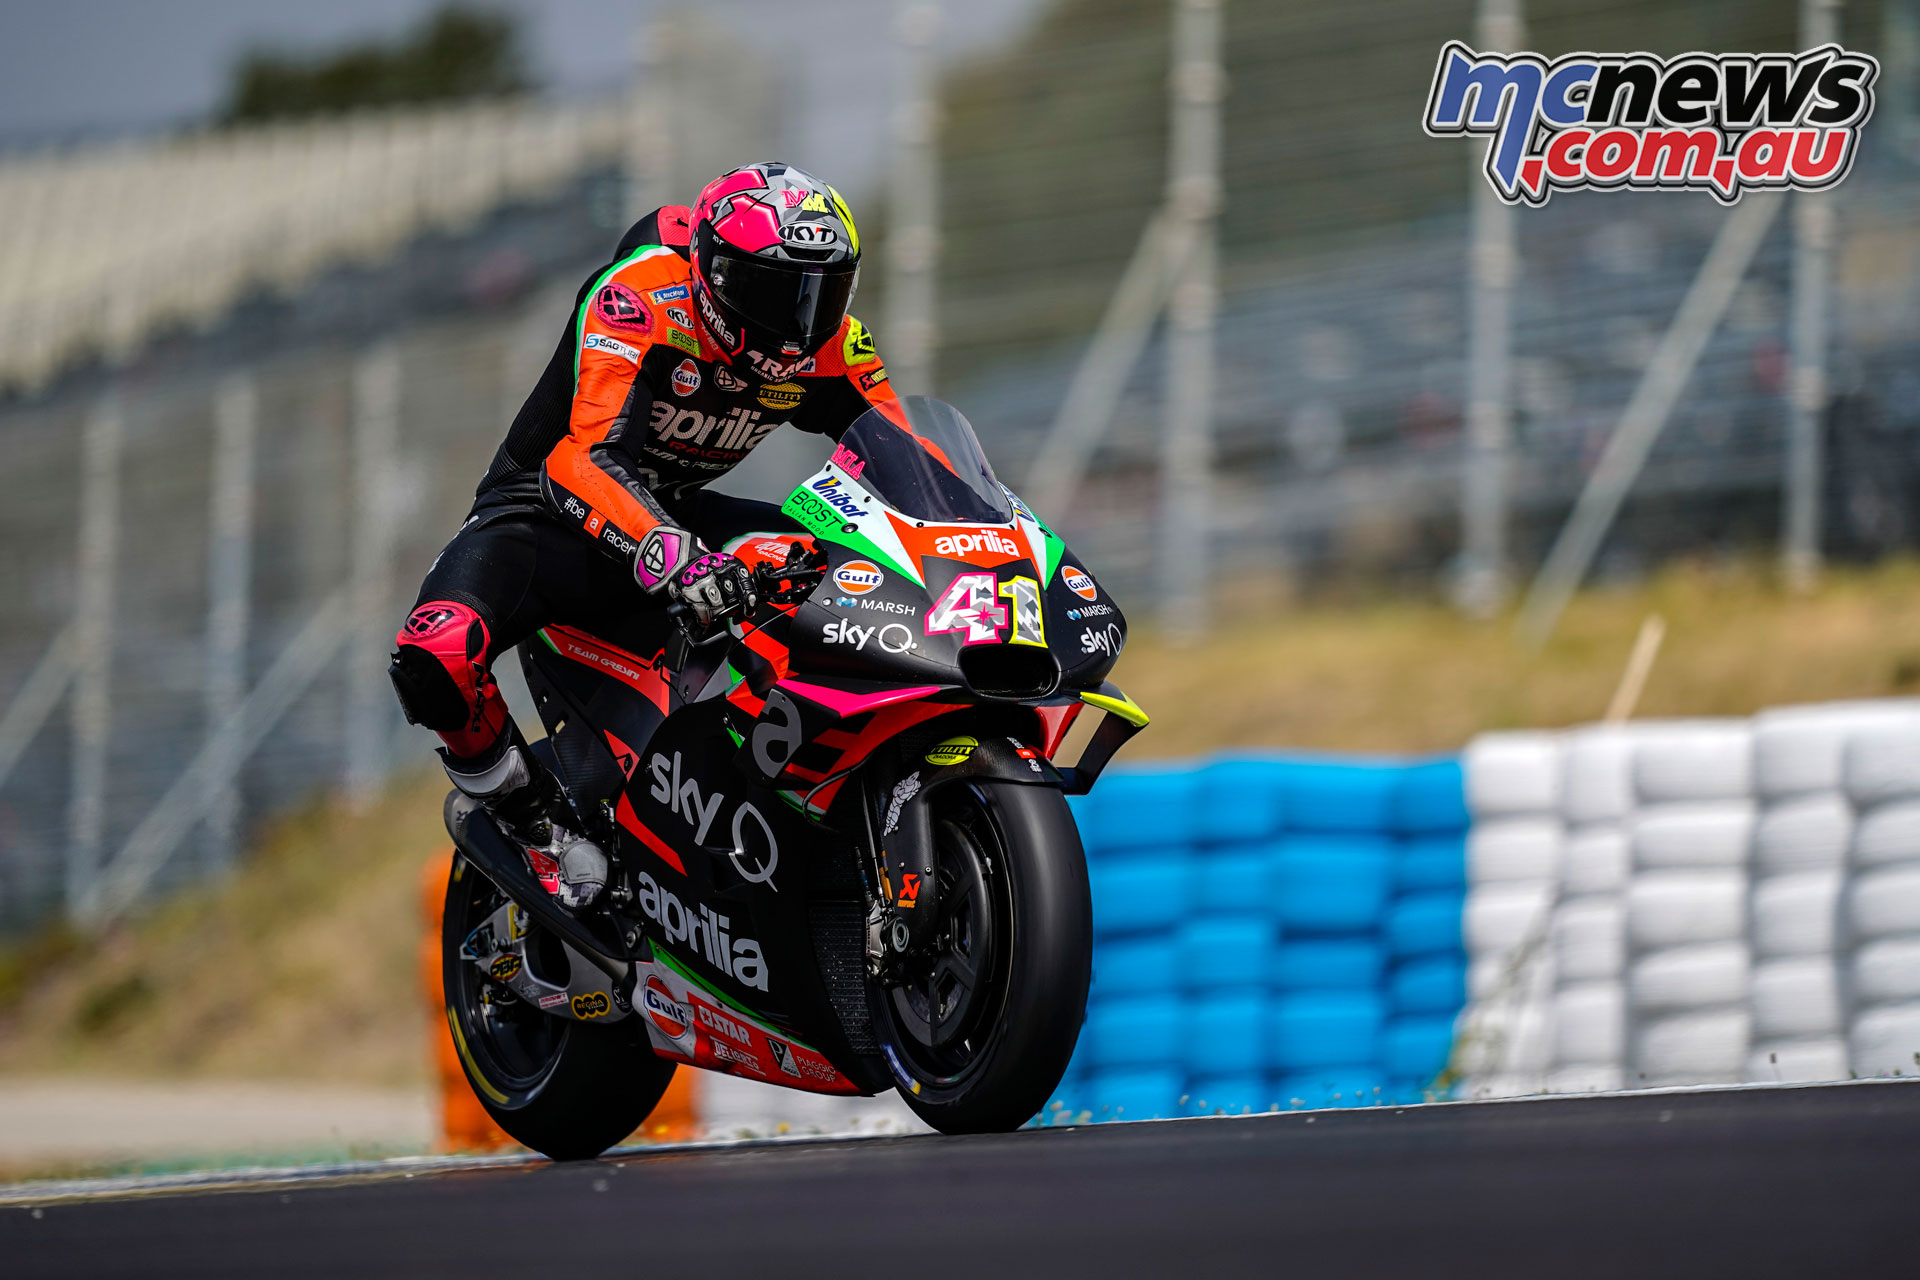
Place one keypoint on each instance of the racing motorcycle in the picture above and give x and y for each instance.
(842, 856)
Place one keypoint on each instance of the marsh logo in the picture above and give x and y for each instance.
(1725, 123)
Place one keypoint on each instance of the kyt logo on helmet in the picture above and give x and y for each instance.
(775, 259)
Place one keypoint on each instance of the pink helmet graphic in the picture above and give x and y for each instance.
(776, 258)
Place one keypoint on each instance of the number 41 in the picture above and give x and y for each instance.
(970, 604)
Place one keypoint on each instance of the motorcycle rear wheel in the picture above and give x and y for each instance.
(979, 1035)
(567, 1089)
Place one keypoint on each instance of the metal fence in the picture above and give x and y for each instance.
(148, 549)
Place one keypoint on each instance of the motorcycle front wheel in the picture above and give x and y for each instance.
(567, 1089)
(980, 1032)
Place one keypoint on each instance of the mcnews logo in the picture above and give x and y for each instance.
(1725, 123)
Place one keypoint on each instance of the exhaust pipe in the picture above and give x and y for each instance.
(480, 841)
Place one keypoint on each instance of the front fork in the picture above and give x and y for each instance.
(897, 874)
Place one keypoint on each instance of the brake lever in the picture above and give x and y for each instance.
(800, 574)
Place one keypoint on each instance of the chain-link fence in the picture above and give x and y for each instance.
(1342, 326)
(1339, 397)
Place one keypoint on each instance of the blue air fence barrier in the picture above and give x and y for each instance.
(1270, 933)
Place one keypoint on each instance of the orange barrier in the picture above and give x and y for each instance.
(464, 1123)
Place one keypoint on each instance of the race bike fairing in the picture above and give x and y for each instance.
(930, 468)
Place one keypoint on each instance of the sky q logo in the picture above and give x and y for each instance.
(1725, 123)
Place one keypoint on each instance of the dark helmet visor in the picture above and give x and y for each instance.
(793, 303)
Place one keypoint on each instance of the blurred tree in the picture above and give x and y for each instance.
(456, 53)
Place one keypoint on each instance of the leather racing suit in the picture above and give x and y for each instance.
(637, 411)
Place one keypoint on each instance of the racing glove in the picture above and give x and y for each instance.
(713, 584)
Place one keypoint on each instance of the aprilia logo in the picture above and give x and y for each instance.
(707, 932)
(738, 430)
(965, 544)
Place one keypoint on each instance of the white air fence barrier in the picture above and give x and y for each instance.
(1694, 902)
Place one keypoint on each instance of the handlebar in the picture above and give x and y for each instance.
(774, 583)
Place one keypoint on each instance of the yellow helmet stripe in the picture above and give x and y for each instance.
(853, 232)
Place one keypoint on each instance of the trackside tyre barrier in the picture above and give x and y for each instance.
(1589, 938)
(1271, 932)
(1514, 851)
(1605, 907)
(1880, 902)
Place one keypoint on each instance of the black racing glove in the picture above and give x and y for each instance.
(711, 583)
(715, 585)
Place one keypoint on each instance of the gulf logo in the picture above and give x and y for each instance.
(1078, 583)
(686, 379)
(857, 577)
(668, 1014)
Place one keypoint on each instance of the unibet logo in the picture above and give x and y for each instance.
(857, 577)
(965, 544)
(668, 1014)
(828, 487)
(740, 957)
(1078, 583)
(952, 751)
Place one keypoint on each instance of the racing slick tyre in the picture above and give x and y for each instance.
(979, 1033)
(567, 1089)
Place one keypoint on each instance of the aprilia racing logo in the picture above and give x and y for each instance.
(1725, 123)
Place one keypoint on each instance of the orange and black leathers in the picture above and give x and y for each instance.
(609, 447)
(653, 407)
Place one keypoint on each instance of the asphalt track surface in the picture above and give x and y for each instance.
(1804, 1182)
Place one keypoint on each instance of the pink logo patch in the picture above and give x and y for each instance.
(621, 307)
(848, 461)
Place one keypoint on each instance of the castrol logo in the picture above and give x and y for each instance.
(1078, 583)
(668, 1014)
(857, 577)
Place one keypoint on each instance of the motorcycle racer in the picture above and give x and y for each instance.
(711, 327)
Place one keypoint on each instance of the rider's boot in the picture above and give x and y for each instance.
(525, 798)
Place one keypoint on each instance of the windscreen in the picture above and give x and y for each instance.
(931, 469)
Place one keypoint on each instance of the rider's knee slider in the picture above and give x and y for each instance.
(438, 668)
